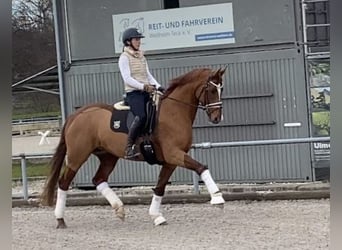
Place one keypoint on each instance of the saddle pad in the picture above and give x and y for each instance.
(120, 120)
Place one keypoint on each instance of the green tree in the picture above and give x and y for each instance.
(33, 37)
(34, 50)
(319, 68)
(321, 121)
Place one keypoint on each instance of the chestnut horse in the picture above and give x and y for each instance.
(87, 132)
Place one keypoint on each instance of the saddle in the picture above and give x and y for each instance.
(122, 118)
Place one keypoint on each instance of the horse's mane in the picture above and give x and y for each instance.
(186, 78)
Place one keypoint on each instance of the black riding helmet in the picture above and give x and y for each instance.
(130, 33)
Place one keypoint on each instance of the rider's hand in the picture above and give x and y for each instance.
(149, 88)
(161, 89)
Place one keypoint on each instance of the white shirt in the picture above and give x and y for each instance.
(128, 79)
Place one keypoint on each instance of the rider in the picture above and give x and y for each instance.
(139, 83)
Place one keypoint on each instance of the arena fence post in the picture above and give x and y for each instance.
(24, 176)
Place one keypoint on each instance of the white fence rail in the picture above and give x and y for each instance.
(28, 126)
(36, 120)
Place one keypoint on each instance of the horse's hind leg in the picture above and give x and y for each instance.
(63, 186)
(73, 164)
(100, 180)
(154, 211)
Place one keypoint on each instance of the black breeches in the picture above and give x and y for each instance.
(137, 101)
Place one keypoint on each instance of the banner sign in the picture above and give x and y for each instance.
(178, 28)
(322, 154)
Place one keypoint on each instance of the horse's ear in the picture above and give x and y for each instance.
(216, 72)
(221, 71)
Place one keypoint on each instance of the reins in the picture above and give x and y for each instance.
(185, 103)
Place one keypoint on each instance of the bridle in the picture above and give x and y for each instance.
(208, 107)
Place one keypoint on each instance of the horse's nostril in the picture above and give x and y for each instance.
(216, 120)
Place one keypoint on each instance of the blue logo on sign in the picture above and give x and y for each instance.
(214, 36)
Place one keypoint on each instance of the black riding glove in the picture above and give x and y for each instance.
(161, 89)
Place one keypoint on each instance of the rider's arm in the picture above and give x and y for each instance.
(151, 79)
(126, 73)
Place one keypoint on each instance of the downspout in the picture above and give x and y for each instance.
(59, 63)
(307, 85)
(67, 35)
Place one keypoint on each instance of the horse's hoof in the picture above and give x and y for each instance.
(120, 212)
(159, 220)
(217, 199)
(61, 223)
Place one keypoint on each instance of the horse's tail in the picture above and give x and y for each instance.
(48, 194)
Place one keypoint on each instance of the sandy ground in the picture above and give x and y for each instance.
(301, 224)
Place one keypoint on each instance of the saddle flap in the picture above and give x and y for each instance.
(121, 120)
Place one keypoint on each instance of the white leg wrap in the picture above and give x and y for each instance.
(209, 182)
(216, 196)
(155, 205)
(154, 210)
(109, 194)
(60, 203)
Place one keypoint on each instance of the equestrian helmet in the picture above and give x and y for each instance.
(130, 33)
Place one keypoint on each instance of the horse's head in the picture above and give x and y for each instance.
(210, 96)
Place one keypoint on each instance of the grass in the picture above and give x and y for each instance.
(32, 169)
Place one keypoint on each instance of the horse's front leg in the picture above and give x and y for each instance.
(182, 159)
(203, 171)
(154, 211)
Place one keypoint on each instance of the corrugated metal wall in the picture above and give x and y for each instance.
(264, 89)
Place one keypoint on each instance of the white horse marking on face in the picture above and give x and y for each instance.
(218, 86)
(219, 93)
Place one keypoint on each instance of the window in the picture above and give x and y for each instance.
(170, 4)
(319, 72)
(319, 76)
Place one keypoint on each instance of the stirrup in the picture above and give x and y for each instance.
(130, 153)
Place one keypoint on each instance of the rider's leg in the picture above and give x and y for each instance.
(132, 136)
(137, 102)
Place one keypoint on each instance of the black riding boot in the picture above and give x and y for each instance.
(132, 136)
